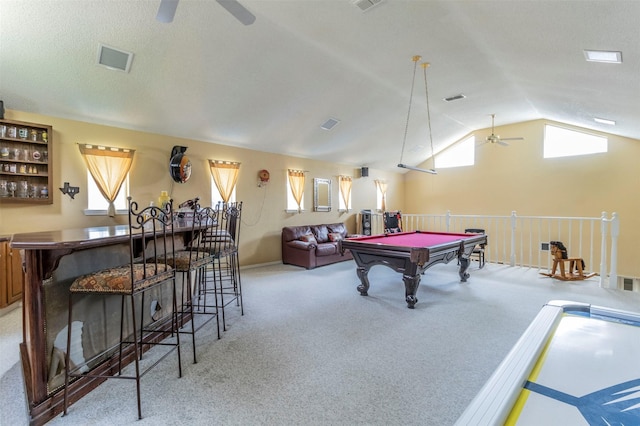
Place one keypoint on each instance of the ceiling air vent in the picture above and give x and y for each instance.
(366, 4)
(329, 124)
(114, 59)
(454, 98)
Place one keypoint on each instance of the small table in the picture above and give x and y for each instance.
(575, 364)
(411, 253)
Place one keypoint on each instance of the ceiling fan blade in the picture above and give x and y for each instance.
(238, 10)
(167, 11)
(500, 142)
(512, 139)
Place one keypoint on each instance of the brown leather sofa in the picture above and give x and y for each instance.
(310, 246)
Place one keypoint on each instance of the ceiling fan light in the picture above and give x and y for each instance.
(417, 169)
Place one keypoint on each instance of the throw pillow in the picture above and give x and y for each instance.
(309, 238)
(335, 236)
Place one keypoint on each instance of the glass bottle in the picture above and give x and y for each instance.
(163, 199)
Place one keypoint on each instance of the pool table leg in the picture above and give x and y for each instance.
(363, 288)
(464, 265)
(411, 283)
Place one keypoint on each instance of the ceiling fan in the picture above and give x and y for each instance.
(493, 138)
(167, 11)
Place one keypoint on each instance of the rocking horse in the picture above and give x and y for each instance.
(576, 264)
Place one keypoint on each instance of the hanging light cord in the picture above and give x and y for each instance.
(406, 127)
(425, 65)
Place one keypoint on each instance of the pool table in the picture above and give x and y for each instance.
(411, 253)
(575, 364)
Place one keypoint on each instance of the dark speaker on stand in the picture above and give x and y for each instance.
(366, 222)
(364, 172)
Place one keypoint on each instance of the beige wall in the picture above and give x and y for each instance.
(517, 178)
(263, 210)
(503, 179)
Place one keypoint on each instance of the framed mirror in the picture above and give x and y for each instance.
(321, 195)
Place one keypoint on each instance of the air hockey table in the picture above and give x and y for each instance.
(576, 364)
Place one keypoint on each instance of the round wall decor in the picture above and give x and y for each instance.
(179, 165)
(263, 175)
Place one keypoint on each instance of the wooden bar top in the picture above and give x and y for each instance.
(71, 238)
(80, 238)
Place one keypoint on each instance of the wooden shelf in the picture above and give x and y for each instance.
(25, 163)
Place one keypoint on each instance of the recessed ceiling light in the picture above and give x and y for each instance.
(610, 57)
(604, 121)
(330, 124)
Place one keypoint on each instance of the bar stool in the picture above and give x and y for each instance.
(224, 275)
(151, 238)
(190, 266)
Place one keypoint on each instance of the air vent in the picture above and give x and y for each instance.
(330, 124)
(367, 4)
(454, 98)
(114, 59)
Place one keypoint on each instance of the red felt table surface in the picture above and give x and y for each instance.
(414, 239)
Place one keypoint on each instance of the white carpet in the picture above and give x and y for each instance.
(310, 350)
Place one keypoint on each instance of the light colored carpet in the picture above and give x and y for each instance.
(310, 350)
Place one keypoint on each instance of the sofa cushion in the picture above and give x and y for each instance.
(339, 228)
(335, 236)
(321, 232)
(291, 233)
(309, 238)
(326, 249)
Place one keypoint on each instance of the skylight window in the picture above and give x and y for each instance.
(460, 154)
(611, 57)
(561, 142)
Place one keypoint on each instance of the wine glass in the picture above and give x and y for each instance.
(11, 186)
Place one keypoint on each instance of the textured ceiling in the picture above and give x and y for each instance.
(270, 86)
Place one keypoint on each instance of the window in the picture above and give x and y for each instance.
(98, 205)
(216, 197)
(381, 195)
(295, 190)
(108, 169)
(459, 154)
(224, 175)
(344, 200)
(561, 142)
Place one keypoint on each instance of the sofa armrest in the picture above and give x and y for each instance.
(301, 245)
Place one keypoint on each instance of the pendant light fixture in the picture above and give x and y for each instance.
(424, 65)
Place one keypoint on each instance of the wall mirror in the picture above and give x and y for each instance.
(321, 195)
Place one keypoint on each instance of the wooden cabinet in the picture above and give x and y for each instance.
(25, 163)
(11, 275)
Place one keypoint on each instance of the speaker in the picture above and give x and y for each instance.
(366, 223)
(364, 172)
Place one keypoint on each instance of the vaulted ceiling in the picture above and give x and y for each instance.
(269, 86)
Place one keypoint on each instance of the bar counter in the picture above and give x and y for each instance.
(52, 260)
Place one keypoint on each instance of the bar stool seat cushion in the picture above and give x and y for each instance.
(186, 260)
(118, 280)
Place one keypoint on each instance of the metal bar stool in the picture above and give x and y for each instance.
(225, 272)
(151, 240)
(190, 265)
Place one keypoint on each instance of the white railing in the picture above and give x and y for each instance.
(523, 240)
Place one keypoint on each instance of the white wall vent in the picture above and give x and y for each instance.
(628, 283)
(114, 59)
(366, 4)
